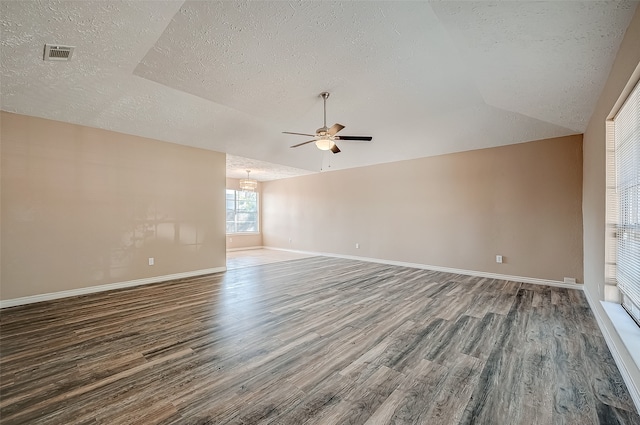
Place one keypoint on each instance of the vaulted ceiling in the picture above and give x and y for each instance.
(422, 78)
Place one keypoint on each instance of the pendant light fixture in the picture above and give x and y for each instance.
(248, 184)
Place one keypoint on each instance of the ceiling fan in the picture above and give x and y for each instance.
(325, 137)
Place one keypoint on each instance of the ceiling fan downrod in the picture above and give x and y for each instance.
(325, 96)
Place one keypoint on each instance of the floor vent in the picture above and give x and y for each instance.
(57, 53)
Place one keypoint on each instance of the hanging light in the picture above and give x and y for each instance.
(248, 184)
(324, 143)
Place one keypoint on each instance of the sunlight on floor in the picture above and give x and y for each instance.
(256, 257)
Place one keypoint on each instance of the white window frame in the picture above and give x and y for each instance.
(617, 235)
(235, 200)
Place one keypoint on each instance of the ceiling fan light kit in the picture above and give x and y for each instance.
(325, 144)
(325, 137)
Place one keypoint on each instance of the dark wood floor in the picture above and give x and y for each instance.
(313, 341)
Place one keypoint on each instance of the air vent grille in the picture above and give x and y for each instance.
(57, 53)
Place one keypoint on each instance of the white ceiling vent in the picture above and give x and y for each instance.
(57, 53)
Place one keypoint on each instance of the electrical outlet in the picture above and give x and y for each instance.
(230, 239)
(357, 245)
(151, 261)
(289, 240)
(569, 280)
(499, 259)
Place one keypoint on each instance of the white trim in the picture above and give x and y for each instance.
(627, 329)
(632, 386)
(108, 287)
(534, 280)
(628, 88)
(246, 248)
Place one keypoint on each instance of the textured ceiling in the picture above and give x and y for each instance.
(237, 167)
(422, 78)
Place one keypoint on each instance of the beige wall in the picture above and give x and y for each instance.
(84, 207)
(627, 59)
(240, 241)
(521, 201)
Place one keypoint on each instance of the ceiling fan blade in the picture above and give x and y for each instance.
(355, 138)
(335, 149)
(303, 143)
(299, 134)
(335, 128)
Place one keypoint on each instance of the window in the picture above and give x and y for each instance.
(626, 201)
(242, 212)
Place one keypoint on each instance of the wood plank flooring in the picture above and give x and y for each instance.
(312, 341)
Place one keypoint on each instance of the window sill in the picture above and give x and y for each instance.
(626, 328)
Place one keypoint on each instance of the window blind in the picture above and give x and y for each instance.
(627, 163)
(611, 240)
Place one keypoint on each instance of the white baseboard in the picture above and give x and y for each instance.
(632, 386)
(246, 248)
(523, 279)
(108, 287)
